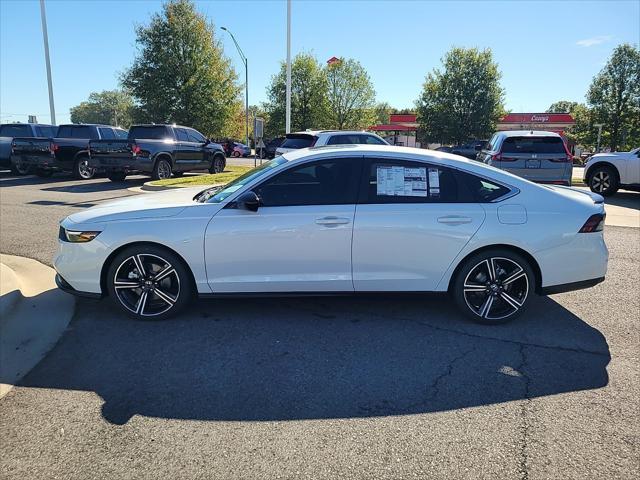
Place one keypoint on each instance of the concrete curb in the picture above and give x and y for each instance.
(35, 315)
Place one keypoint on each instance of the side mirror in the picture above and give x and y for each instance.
(248, 201)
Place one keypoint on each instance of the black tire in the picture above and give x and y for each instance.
(117, 176)
(604, 180)
(82, 170)
(492, 301)
(235, 154)
(20, 168)
(162, 169)
(218, 164)
(139, 294)
(44, 173)
(178, 174)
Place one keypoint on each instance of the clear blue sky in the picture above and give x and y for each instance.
(547, 51)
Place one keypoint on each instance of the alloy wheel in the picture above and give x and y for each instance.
(496, 288)
(164, 169)
(601, 181)
(147, 285)
(84, 170)
(22, 168)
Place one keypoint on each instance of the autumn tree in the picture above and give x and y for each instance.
(351, 96)
(109, 107)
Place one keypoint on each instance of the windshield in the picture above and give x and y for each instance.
(219, 194)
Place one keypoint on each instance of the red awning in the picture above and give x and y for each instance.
(392, 128)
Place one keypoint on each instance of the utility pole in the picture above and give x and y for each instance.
(45, 36)
(246, 85)
(288, 108)
(599, 125)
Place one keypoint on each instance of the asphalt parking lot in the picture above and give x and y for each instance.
(373, 387)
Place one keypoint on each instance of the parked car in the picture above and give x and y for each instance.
(240, 150)
(425, 221)
(271, 146)
(294, 141)
(158, 150)
(605, 173)
(535, 155)
(9, 131)
(67, 151)
(469, 149)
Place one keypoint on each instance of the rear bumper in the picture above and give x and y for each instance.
(129, 165)
(569, 287)
(36, 161)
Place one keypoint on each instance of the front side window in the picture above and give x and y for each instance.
(120, 133)
(195, 136)
(402, 181)
(328, 182)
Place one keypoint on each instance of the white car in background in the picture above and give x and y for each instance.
(351, 219)
(320, 138)
(605, 173)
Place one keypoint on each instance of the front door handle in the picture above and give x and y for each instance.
(332, 221)
(454, 220)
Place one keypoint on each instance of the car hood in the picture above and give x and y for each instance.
(146, 205)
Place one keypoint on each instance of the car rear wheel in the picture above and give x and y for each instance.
(235, 154)
(82, 170)
(117, 176)
(149, 283)
(218, 164)
(604, 180)
(493, 287)
(20, 168)
(162, 169)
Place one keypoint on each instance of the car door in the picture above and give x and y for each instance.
(198, 153)
(299, 240)
(411, 221)
(183, 147)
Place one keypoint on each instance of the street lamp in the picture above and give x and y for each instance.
(45, 37)
(246, 85)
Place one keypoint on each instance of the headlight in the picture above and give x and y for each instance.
(77, 236)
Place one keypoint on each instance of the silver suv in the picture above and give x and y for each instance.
(317, 138)
(535, 155)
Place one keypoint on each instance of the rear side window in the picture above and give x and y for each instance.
(351, 139)
(329, 182)
(371, 140)
(107, 133)
(400, 181)
(46, 131)
(533, 145)
(149, 132)
(76, 131)
(481, 189)
(16, 130)
(298, 141)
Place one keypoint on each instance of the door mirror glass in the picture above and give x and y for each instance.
(248, 201)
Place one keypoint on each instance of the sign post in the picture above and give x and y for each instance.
(258, 133)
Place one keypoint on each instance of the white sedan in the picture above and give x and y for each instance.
(349, 219)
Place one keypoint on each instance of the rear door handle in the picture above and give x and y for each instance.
(454, 220)
(332, 221)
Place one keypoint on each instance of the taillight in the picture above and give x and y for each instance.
(135, 149)
(53, 148)
(595, 223)
(497, 157)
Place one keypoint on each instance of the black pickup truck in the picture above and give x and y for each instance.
(67, 151)
(9, 131)
(159, 150)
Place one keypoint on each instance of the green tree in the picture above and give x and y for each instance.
(308, 96)
(583, 132)
(614, 97)
(465, 100)
(110, 107)
(351, 97)
(180, 73)
(382, 112)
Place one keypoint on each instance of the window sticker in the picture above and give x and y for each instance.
(434, 182)
(401, 181)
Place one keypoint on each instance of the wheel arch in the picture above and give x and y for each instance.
(512, 248)
(165, 155)
(80, 154)
(107, 263)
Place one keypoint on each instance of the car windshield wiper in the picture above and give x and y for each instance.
(207, 193)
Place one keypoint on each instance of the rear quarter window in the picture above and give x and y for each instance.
(480, 189)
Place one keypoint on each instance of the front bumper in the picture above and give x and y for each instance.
(66, 287)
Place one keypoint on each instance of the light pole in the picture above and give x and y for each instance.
(246, 85)
(599, 126)
(288, 103)
(45, 37)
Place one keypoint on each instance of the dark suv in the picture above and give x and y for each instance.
(535, 155)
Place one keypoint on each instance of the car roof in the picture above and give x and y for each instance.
(22, 123)
(86, 125)
(318, 132)
(527, 133)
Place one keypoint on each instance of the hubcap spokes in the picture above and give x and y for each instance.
(147, 285)
(496, 288)
(601, 181)
(164, 170)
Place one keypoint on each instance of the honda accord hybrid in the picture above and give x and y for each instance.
(335, 220)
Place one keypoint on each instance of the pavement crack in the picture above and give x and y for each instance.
(525, 424)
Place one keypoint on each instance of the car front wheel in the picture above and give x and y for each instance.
(494, 287)
(604, 180)
(149, 283)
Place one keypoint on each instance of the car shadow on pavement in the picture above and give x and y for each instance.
(319, 358)
(624, 199)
